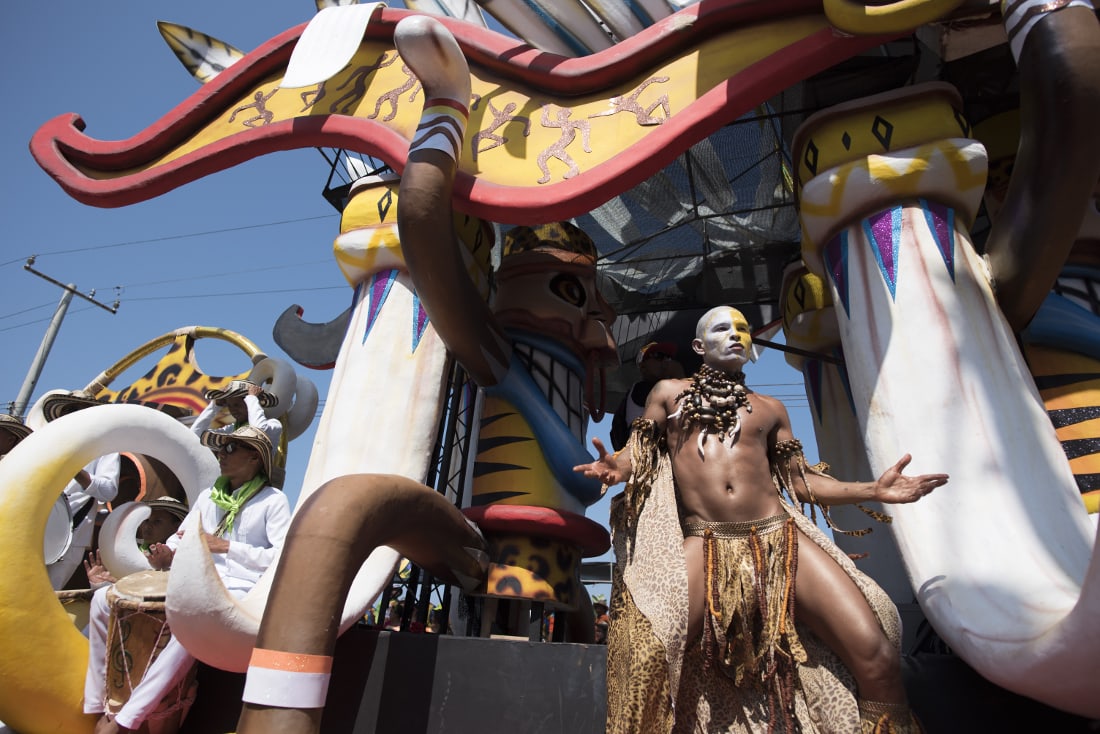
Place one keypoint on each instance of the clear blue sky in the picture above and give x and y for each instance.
(232, 250)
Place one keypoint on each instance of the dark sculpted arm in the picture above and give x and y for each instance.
(458, 313)
(425, 217)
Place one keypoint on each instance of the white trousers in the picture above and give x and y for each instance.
(167, 670)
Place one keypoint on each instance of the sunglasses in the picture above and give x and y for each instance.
(230, 448)
(656, 355)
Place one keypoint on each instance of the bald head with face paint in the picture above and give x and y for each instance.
(723, 339)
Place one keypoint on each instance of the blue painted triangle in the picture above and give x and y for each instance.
(420, 321)
(941, 224)
(883, 232)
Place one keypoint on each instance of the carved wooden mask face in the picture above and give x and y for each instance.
(545, 293)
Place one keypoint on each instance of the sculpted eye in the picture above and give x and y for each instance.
(569, 288)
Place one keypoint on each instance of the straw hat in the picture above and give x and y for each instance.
(14, 426)
(238, 389)
(55, 405)
(666, 348)
(170, 505)
(250, 436)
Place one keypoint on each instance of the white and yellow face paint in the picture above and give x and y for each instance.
(718, 335)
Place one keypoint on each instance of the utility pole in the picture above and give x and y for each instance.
(35, 371)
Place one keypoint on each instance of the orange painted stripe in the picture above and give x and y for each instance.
(1084, 429)
(290, 661)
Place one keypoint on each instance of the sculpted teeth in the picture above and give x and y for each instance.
(563, 388)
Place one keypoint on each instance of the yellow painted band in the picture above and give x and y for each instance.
(899, 17)
(874, 126)
(805, 293)
(1092, 501)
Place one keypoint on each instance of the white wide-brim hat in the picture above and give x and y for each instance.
(55, 405)
(238, 389)
(14, 426)
(171, 505)
(250, 436)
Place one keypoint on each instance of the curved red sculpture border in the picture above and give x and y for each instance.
(542, 522)
(66, 153)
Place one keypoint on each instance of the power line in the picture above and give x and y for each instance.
(181, 280)
(39, 321)
(228, 274)
(167, 238)
(68, 292)
(26, 310)
(238, 294)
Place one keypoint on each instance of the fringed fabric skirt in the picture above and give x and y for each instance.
(749, 629)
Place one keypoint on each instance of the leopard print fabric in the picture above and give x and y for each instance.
(638, 698)
(647, 659)
(649, 609)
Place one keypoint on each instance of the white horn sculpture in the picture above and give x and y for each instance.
(381, 416)
(47, 696)
(1002, 559)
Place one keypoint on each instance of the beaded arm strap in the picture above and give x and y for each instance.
(783, 478)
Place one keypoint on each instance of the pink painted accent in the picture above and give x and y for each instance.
(420, 321)
(884, 232)
(380, 286)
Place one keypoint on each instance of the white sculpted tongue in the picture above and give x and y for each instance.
(712, 403)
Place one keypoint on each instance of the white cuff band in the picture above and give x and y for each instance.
(285, 689)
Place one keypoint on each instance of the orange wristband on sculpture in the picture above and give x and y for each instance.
(287, 679)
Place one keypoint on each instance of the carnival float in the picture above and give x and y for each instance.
(910, 190)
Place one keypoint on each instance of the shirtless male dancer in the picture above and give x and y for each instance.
(730, 450)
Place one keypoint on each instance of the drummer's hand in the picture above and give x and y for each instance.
(97, 573)
(107, 725)
(160, 556)
(215, 543)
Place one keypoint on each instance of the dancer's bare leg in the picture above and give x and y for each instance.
(697, 588)
(832, 606)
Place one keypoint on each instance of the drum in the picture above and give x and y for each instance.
(136, 634)
(59, 531)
